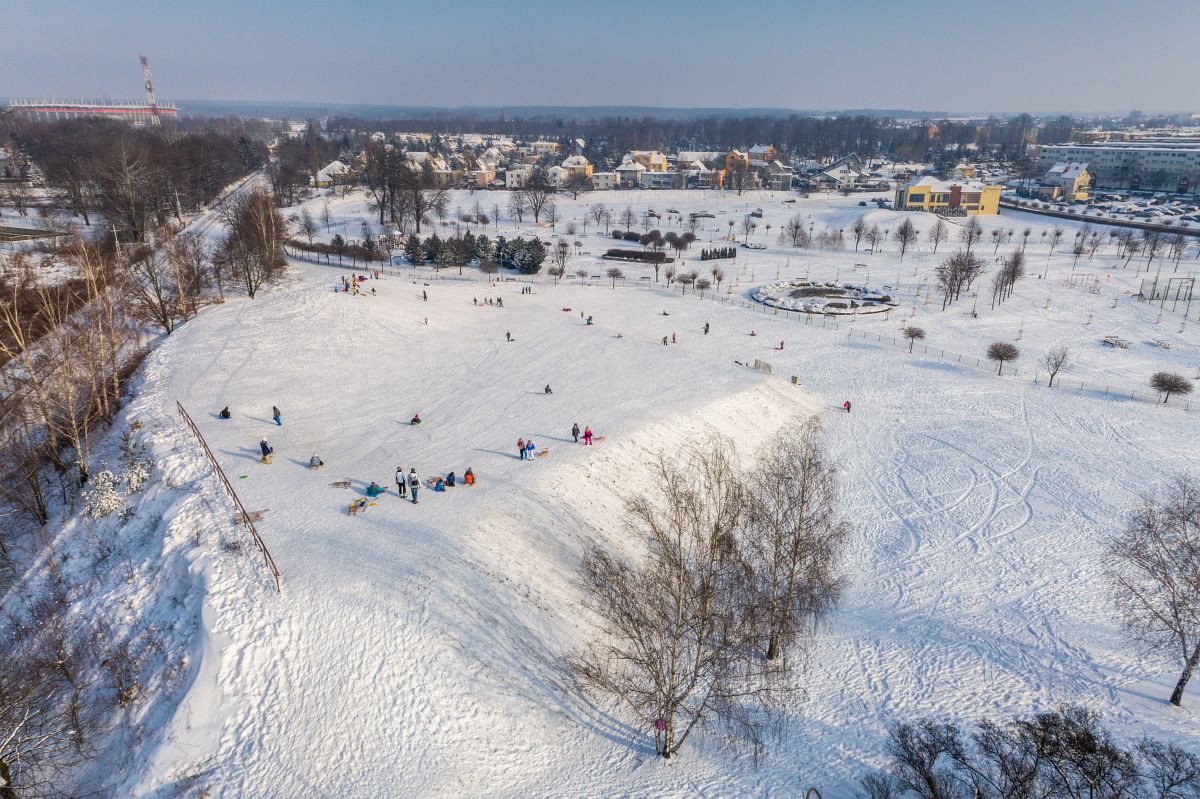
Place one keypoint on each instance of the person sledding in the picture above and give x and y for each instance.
(266, 449)
(780, 347)
(315, 461)
(225, 414)
(589, 320)
(439, 484)
(469, 477)
(416, 420)
(374, 489)
(548, 390)
(451, 480)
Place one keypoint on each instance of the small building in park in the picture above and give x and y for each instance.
(949, 197)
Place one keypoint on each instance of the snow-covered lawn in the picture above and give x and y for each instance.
(417, 650)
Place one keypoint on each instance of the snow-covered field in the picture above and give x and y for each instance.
(416, 650)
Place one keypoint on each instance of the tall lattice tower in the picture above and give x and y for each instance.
(154, 119)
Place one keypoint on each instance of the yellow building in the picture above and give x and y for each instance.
(653, 160)
(1069, 181)
(949, 197)
(577, 165)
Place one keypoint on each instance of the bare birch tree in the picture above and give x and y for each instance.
(1153, 568)
(793, 535)
(678, 628)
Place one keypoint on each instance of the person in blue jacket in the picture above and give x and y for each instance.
(529, 449)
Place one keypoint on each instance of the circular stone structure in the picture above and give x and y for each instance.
(810, 296)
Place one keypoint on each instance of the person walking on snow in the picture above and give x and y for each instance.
(673, 341)
(276, 415)
(587, 436)
(508, 336)
(521, 448)
(414, 483)
(529, 449)
(706, 328)
(401, 481)
(846, 405)
(425, 295)
(575, 432)
(266, 450)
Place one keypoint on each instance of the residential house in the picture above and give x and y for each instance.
(949, 197)
(662, 180)
(335, 173)
(1065, 180)
(777, 176)
(843, 174)
(629, 173)
(516, 175)
(653, 160)
(556, 176)
(736, 161)
(604, 181)
(577, 165)
(763, 154)
(540, 148)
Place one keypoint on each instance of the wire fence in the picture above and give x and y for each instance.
(243, 516)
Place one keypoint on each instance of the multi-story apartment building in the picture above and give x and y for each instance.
(1161, 164)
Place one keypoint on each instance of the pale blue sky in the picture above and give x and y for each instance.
(1002, 55)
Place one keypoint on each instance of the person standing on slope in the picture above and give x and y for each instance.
(521, 448)
(276, 415)
(575, 432)
(401, 482)
(414, 483)
(587, 436)
(846, 406)
(529, 449)
(266, 450)
(706, 328)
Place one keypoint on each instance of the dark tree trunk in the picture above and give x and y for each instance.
(1177, 694)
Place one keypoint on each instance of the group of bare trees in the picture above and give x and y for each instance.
(64, 348)
(956, 274)
(252, 251)
(1012, 269)
(1065, 753)
(739, 568)
(135, 179)
(405, 193)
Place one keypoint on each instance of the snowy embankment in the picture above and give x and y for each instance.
(417, 650)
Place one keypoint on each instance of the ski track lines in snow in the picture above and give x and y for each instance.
(418, 650)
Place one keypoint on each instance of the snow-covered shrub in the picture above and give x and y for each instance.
(101, 497)
(135, 466)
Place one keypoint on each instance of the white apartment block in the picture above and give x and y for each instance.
(1147, 165)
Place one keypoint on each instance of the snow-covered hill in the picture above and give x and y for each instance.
(417, 650)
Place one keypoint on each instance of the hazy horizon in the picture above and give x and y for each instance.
(925, 56)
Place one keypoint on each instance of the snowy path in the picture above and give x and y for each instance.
(416, 650)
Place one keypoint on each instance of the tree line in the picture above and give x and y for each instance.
(135, 179)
